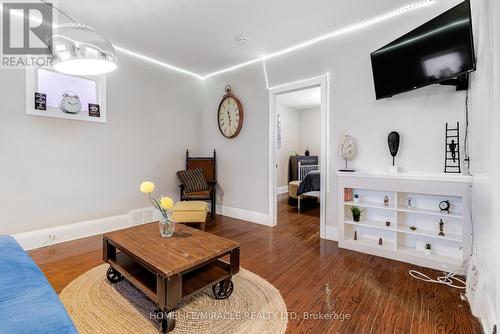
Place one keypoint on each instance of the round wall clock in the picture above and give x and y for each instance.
(230, 115)
(445, 206)
(70, 103)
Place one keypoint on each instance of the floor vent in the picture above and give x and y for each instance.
(143, 216)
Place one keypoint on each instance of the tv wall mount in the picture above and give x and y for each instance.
(461, 82)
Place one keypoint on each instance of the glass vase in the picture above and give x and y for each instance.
(167, 226)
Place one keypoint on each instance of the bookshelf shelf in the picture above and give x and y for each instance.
(399, 241)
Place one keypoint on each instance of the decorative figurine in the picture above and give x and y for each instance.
(428, 249)
(386, 201)
(410, 202)
(393, 142)
(380, 241)
(453, 147)
(347, 152)
(355, 235)
(347, 194)
(356, 198)
(387, 223)
(441, 228)
(445, 206)
(452, 150)
(413, 228)
(307, 153)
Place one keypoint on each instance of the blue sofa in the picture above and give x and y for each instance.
(28, 304)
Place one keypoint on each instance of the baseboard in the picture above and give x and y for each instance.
(57, 234)
(331, 233)
(250, 216)
(480, 301)
(484, 310)
(487, 314)
(282, 190)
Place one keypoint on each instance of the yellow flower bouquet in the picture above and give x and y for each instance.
(167, 226)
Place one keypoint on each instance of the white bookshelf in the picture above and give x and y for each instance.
(399, 242)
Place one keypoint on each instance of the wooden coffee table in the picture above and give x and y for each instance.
(170, 269)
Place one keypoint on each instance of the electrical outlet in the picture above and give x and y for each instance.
(52, 237)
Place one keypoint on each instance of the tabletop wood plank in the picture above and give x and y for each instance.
(187, 248)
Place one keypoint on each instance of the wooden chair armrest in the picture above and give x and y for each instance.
(212, 183)
(181, 191)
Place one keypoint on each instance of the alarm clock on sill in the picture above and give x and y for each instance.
(445, 206)
(70, 103)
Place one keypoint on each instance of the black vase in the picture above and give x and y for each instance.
(307, 153)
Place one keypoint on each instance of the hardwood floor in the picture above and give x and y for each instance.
(359, 292)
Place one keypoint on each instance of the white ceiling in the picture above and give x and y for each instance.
(199, 35)
(301, 99)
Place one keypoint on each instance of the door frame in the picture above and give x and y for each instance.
(323, 82)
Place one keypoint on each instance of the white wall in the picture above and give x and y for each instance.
(484, 148)
(56, 172)
(310, 131)
(242, 162)
(419, 116)
(290, 141)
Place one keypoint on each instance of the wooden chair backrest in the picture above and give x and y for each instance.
(207, 164)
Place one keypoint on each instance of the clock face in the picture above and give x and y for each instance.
(230, 116)
(444, 205)
(70, 104)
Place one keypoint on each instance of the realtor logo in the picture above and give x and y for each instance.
(26, 34)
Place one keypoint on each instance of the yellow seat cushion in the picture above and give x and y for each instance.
(190, 212)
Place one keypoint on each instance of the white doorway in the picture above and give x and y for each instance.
(278, 94)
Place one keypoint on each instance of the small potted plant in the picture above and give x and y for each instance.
(356, 198)
(428, 249)
(356, 213)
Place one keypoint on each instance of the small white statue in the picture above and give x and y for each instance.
(347, 151)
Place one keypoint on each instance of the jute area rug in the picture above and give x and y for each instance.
(97, 306)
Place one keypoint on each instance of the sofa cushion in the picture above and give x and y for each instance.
(28, 304)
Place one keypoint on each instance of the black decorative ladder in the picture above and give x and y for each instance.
(452, 150)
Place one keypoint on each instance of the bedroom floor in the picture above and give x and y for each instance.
(315, 277)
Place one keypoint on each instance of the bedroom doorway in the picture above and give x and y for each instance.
(298, 130)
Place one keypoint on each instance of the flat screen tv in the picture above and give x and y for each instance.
(440, 50)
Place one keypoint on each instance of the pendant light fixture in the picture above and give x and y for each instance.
(79, 50)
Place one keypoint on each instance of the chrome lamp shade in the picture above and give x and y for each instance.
(79, 50)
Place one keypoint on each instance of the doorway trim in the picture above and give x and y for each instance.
(323, 82)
